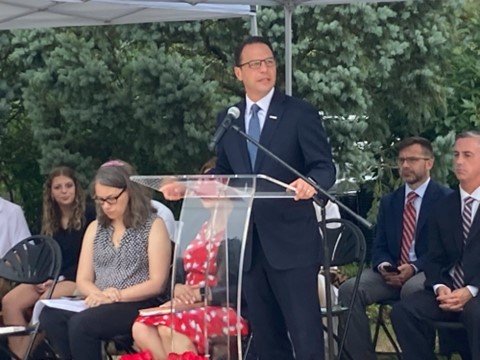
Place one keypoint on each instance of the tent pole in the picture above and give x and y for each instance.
(253, 20)
(288, 47)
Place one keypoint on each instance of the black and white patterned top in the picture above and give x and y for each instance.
(126, 265)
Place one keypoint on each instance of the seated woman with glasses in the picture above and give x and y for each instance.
(124, 266)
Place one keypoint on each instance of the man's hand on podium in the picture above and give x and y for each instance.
(173, 190)
(304, 191)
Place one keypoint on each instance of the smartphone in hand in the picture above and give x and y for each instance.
(391, 269)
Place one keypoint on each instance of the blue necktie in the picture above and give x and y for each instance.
(254, 132)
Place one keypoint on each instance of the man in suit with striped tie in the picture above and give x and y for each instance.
(400, 245)
(452, 269)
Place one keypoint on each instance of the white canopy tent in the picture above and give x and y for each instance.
(23, 14)
(27, 14)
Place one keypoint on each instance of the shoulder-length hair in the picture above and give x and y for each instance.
(51, 212)
(117, 174)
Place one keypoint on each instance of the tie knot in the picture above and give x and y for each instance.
(469, 201)
(411, 196)
(255, 109)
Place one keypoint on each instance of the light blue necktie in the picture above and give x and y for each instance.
(254, 132)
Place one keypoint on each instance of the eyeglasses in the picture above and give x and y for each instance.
(111, 200)
(256, 64)
(410, 160)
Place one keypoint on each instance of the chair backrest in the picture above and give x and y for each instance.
(33, 260)
(346, 242)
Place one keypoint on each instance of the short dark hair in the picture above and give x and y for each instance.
(416, 140)
(468, 134)
(249, 41)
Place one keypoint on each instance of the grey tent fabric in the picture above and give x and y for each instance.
(26, 14)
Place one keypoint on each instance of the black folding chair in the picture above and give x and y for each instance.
(33, 260)
(448, 344)
(381, 323)
(347, 246)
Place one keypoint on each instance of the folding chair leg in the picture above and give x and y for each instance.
(247, 347)
(381, 324)
(105, 353)
(33, 336)
(345, 353)
(393, 342)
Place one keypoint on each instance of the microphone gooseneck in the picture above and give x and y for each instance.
(233, 113)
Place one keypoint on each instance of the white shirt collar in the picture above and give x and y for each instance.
(420, 190)
(264, 102)
(475, 194)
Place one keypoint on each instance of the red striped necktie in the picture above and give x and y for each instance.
(409, 224)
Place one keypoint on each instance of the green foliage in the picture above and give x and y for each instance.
(96, 96)
(149, 93)
(20, 180)
(382, 62)
(464, 72)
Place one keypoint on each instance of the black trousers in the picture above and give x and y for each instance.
(283, 309)
(79, 335)
(412, 320)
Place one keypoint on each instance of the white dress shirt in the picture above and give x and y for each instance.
(463, 194)
(263, 103)
(166, 215)
(417, 203)
(13, 226)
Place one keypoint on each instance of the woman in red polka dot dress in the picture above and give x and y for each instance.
(201, 297)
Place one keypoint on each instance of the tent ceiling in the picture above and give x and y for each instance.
(23, 14)
(291, 3)
(18, 14)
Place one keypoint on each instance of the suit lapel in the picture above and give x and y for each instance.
(457, 222)
(274, 115)
(430, 195)
(474, 228)
(241, 143)
(398, 205)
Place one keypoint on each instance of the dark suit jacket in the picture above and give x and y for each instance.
(445, 244)
(293, 130)
(388, 239)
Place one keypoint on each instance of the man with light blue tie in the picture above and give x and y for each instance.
(283, 250)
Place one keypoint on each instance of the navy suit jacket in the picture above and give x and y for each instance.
(446, 244)
(388, 239)
(293, 131)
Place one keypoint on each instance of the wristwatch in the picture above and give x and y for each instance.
(204, 291)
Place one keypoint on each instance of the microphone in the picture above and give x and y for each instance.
(232, 114)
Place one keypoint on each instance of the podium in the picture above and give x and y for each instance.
(209, 251)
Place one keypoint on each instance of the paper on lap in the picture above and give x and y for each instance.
(163, 310)
(64, 304)
(11, 329)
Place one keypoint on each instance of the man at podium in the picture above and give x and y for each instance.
(283, 250)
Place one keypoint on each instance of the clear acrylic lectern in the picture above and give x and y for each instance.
(210, 244)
